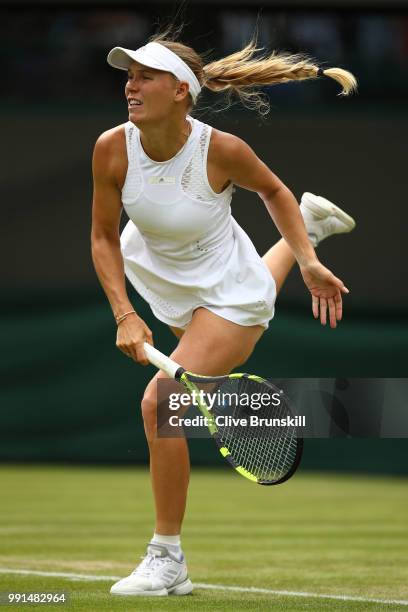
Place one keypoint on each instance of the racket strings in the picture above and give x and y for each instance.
(266, 450)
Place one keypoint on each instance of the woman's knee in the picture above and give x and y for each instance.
(149, 411)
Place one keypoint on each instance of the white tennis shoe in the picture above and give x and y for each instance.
(159, 574)
(323, 218)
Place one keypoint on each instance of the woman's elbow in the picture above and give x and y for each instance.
(101, 240)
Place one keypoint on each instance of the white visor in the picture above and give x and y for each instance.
(155, 55)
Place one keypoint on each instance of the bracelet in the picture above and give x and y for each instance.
(123, 316)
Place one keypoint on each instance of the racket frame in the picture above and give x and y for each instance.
(188, 380)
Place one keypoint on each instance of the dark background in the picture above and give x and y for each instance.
(67, 393)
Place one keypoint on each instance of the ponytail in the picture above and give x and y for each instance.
(243, 73)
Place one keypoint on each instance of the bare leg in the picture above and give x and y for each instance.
(280, 261)
(170, 475)
(170, 498)
(229, 345)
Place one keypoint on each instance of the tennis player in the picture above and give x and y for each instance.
(184, 252)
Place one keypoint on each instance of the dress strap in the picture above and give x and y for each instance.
(131, 142)
(133, 182)
(204, 146)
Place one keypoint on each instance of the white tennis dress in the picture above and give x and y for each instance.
(182, 248)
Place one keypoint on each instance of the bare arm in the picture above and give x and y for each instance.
(248, 171)
(245, 169)
(106, 213)
(105, 240)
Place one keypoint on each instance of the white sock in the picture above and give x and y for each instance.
(171, 542)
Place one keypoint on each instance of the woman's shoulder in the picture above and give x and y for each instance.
(110, 151)
(111, 139)
(224, 146)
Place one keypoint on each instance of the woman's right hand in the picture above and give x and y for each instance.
(132, 333)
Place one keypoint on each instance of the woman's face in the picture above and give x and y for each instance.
(150, 93)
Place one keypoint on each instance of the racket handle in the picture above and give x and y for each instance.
(161, 361)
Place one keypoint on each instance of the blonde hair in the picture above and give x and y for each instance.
(243, 73)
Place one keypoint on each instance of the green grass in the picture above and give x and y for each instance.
(340, 535)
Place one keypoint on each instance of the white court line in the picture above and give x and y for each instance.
(212, 587)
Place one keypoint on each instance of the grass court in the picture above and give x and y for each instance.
(337, 535)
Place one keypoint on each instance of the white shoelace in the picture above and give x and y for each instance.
(149, 563)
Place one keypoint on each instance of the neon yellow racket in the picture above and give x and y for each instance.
(267, 449)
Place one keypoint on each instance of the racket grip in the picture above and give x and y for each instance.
(161, 361)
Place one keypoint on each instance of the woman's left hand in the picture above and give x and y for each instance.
(326, 290)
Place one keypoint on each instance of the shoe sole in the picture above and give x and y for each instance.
(321, 206)
(159, 593)
(184, 588)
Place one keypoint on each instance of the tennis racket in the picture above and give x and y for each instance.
(267, 453)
